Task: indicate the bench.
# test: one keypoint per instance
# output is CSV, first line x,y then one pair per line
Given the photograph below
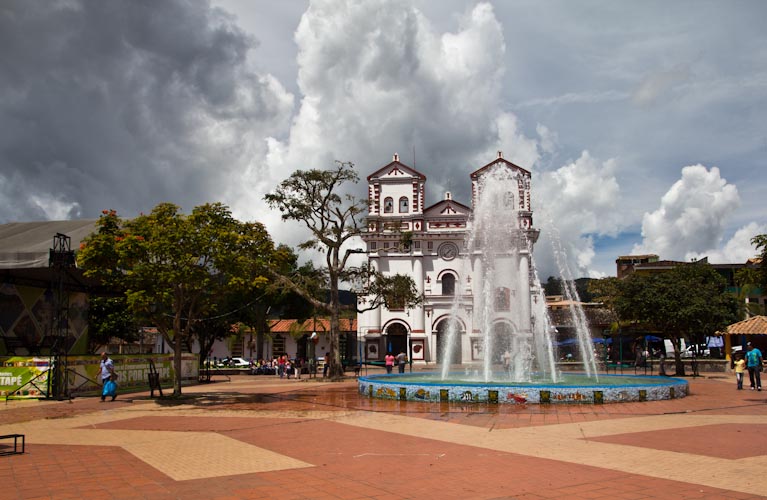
x,y
15,444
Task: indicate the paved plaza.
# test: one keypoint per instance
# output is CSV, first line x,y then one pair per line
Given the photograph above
x,y
266,438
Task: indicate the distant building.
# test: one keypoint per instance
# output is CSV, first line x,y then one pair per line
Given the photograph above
x,y
627,263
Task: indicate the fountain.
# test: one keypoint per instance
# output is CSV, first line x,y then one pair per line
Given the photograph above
x,y
503,299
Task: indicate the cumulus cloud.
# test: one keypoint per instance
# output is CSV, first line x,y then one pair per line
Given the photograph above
x,y
126,104
376,78
737,249
692,215
574,203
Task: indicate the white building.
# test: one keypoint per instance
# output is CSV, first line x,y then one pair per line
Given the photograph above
x,y
429,244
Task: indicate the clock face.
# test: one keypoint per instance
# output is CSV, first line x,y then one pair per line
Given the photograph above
x,y
448,251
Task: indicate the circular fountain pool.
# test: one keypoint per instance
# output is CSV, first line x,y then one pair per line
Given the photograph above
x,y
572,388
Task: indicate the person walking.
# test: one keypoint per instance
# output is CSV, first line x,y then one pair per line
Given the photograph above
x,y
401,359
107,376
754,364
740,369
389,361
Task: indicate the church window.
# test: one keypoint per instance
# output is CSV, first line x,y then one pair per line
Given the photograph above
x,y
508,200
448,284
502,299
388,205
403,205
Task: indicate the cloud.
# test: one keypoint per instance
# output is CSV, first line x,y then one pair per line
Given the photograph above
x,y
656,84
376,79
737,249
692,215
573,203
126,104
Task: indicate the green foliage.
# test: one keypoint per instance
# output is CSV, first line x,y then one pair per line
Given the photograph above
x,y
110,317
175,268
760,242
689,301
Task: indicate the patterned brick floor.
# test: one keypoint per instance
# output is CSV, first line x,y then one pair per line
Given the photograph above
x,y
256,437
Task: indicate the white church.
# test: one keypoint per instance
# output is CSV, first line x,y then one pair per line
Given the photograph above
x,y
430,244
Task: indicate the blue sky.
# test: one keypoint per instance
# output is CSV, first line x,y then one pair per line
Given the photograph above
x,y
642,122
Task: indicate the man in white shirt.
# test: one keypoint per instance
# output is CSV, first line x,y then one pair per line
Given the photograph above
x,y
106,372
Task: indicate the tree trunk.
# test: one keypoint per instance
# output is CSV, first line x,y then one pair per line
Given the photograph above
x,y
336,367
678,363
177,345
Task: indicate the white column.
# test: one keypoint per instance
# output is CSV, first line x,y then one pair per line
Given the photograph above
x,y
524,292
375,314
418,312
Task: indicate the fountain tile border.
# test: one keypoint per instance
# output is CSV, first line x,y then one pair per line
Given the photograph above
x,y
388,387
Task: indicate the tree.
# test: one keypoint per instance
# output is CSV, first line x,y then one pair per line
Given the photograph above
x,y
747,282
108,315
760,242
173,268
313,197
688,301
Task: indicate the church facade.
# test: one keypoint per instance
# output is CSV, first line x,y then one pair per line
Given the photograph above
x,y
403,236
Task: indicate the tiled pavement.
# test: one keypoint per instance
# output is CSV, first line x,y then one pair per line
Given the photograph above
x,y
256,437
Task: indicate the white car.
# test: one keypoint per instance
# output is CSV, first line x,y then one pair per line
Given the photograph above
x,y
702,351
234,363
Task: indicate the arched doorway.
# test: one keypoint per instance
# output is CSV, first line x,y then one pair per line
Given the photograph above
x,y
396,338
442,338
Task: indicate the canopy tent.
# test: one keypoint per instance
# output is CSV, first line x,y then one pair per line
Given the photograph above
x,y
568,342
25,245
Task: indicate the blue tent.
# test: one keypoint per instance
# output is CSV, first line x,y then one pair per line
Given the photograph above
x,y
652,338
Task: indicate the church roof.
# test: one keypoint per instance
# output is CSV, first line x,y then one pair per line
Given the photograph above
x,y
498,160
396,166
447,208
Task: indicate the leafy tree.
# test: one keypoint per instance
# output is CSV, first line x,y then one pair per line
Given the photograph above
x,y
314,198
688,301
174,268
553,286
747,282
108,315
760,242
606,291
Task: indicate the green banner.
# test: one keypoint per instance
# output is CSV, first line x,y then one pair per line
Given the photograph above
x,y
30,375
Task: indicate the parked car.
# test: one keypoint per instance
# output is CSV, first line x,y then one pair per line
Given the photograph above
x,y
234,362
698,350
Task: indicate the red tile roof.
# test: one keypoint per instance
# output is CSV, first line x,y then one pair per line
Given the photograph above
x,y
318,325
755,325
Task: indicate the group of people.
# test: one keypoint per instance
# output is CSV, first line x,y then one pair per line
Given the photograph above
x,y
400,360
752,361
282,366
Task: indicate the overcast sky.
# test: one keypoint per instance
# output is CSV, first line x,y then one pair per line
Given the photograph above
x,y
644,123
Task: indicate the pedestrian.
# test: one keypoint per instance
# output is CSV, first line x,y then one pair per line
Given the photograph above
x,y
107,375
740,368
754,364
401,360
326,365
389,359
506,358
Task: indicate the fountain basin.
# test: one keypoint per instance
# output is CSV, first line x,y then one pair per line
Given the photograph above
x,y
574,388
